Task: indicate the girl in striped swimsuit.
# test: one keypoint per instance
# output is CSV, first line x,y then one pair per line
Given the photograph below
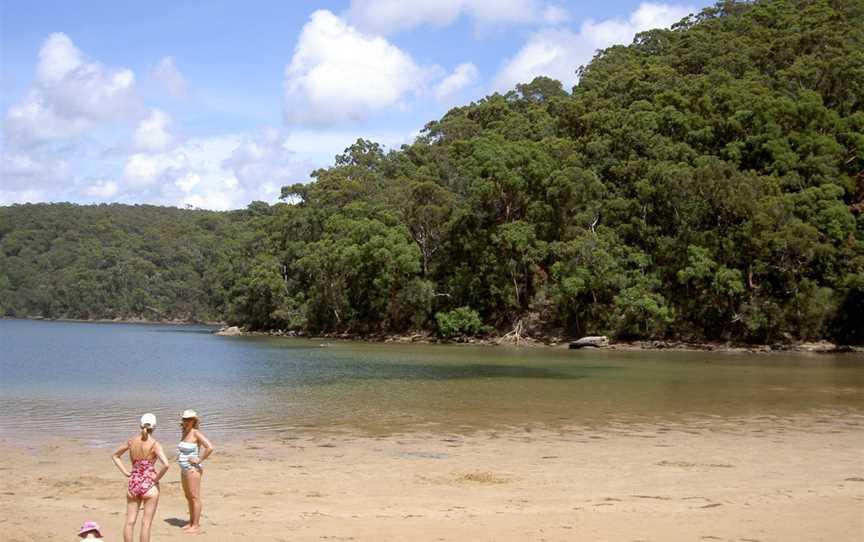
x,y
191,451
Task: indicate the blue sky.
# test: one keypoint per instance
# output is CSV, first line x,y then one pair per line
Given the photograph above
x,y
215,104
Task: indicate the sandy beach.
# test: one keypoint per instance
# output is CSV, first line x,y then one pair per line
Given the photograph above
x,y
758,479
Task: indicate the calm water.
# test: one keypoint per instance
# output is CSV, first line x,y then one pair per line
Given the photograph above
x,y
93,380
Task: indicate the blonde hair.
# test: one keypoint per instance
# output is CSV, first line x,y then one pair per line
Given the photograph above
x,y
195,423
146,431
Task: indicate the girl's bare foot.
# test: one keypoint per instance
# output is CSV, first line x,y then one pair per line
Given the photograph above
x,y
193,530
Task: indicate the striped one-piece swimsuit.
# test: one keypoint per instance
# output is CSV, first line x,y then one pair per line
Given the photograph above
x,y
185,452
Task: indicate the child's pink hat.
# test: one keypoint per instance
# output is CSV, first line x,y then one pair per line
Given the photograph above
x,y
90,526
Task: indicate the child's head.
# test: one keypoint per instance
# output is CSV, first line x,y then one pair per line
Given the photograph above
x,y
90,528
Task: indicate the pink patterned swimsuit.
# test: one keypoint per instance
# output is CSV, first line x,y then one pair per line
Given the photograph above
x,y
143,477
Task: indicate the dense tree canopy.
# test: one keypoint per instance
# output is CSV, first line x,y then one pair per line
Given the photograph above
x,y
117,261
705,182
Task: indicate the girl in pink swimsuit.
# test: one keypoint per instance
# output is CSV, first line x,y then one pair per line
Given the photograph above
x,y
142,478
143,488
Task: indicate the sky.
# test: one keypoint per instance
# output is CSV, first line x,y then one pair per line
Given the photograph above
x,y
214,104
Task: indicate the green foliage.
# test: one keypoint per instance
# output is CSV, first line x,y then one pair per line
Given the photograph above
x,y
260,298
413,305
463,321
641,312
356,271
117,261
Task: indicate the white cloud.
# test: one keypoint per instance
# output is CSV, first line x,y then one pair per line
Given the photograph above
x,y
558,52
646,17
190,173
338,73
263,162
187,182
69,95
35,120
213,199
144,169
217,172
43,156
223,172
555,15
101,189
388,16
170,78
32,175
29,195
155,170
57,58
154,133
23,171
464,75
201,172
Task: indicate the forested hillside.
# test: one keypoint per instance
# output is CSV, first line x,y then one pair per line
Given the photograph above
x,y
117,261
705,182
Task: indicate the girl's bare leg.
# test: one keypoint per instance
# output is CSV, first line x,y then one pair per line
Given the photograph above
x,y
151,501
131,517
193,479
184,480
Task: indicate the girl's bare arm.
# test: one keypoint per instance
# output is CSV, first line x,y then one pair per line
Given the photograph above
x,y
160,454
203,442
118,453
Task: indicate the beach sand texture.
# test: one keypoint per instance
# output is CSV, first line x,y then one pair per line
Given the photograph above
x,y
717,480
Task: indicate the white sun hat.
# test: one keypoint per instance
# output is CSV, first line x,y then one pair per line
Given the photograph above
x,y
188,413
148,419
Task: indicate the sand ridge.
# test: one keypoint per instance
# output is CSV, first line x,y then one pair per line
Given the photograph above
x,y
742,480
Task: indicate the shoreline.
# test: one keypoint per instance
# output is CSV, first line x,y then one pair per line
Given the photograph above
x,y
141,321
812,347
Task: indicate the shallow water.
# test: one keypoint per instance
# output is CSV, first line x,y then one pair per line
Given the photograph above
x,y
92,381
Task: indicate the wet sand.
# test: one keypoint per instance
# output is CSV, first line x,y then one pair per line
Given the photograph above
x,y
758,479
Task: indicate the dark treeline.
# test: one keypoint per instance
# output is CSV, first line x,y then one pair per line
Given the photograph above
x,y
705,182
118,261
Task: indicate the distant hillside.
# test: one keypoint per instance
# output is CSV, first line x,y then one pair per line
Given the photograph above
x,y
116,261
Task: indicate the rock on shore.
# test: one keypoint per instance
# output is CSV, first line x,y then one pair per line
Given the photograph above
x,y
599,341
